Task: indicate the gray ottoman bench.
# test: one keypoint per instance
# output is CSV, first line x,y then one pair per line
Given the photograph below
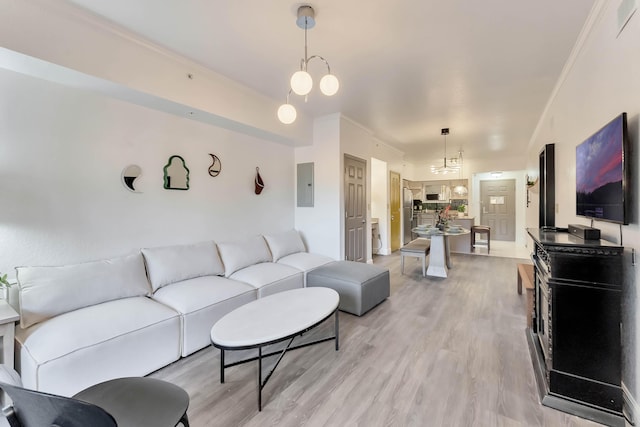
x,y
360,286
418,248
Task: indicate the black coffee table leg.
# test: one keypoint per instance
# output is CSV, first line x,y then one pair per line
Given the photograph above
x,y
337,331
260,379
221,366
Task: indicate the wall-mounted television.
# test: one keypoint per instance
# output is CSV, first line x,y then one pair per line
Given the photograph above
x,y
602,173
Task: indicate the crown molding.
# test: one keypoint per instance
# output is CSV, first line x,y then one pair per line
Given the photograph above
x,y
596,13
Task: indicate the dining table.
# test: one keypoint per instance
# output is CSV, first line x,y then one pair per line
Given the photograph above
x,y
440,256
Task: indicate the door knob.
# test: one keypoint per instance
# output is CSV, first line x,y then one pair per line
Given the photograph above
x,y
364,221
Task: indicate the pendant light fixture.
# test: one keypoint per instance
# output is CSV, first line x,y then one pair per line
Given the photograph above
x,y
301,81
445,169
460,189
287,113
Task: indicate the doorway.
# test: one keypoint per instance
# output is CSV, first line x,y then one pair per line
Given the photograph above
x,y
394,203
355,184
498,208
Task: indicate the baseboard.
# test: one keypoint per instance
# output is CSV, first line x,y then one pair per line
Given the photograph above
x,y
383,251
630,407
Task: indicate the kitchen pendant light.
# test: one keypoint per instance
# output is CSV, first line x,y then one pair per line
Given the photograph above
x,y
445,169
301,81
460,189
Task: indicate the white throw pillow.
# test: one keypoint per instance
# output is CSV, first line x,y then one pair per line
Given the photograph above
x,y
172,264
285,243
46,292
238,255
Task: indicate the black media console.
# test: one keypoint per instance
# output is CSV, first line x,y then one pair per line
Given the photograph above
x,y
575,340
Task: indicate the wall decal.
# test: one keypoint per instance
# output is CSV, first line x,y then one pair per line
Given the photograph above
x,y
259,182
216,165
129,175
176,174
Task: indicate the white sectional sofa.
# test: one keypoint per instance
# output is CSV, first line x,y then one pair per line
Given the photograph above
x,y
129,316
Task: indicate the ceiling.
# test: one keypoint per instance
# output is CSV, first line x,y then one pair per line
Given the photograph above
x,y
407,68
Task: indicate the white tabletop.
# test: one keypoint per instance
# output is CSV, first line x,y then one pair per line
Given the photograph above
x,y
7,313
274,317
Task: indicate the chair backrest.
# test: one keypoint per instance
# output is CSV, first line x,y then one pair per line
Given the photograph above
x,y
36,409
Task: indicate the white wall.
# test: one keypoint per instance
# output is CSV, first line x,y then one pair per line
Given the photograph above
x,y
62,152
380,205
600,80
57,33
320,224
422,172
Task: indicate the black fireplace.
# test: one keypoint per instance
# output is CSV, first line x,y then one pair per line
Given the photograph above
x,y
575,339
542,316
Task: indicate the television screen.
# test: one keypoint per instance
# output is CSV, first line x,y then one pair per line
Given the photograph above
x,y
601,173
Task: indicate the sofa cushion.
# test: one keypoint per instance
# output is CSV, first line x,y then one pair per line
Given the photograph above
x,y
305,261
202,301
284,243
46,292
269,277
172,264
195,294
120,338
238,255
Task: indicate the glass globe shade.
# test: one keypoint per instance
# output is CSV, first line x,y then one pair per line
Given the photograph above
x,y
301,82
460,190
329,85
287,114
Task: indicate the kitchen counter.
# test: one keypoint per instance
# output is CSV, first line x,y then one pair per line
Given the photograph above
x,y
462,244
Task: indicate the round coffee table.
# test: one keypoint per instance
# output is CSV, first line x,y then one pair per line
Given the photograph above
x,y
272,319
158,403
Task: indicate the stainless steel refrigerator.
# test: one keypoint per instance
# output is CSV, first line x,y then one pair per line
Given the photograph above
x,y
408,216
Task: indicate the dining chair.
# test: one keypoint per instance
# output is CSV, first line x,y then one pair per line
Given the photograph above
x,y
34,408
123,402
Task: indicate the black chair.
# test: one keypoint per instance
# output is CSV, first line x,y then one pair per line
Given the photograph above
x,y
123,402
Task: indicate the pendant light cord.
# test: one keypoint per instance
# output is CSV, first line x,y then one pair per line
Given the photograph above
x,y
306,61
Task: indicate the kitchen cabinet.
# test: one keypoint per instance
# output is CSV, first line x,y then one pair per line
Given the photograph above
x,y
426,218
442,188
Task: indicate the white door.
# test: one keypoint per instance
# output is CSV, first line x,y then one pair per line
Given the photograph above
x,y
355,179
498,208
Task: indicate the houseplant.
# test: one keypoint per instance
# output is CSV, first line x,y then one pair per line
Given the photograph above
x,y
4,285
461,210
443,218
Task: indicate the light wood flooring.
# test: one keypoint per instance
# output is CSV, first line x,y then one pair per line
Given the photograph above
x,y
437,352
